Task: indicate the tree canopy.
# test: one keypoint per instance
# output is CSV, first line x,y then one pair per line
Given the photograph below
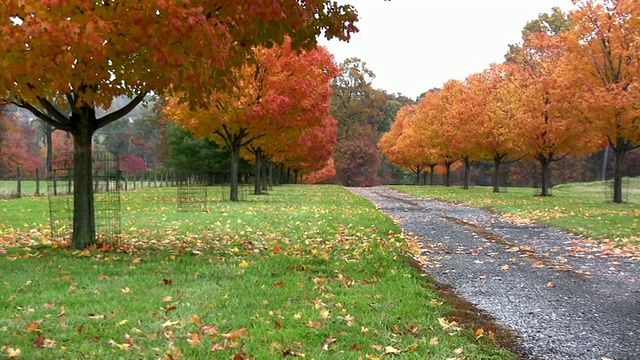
x,y
86,53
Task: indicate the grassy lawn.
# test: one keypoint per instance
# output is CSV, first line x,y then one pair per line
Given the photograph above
x,y
578,208
311,270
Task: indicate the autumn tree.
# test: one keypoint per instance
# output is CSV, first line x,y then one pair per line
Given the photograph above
x,y
498,118
91,52
547,129
603,63
18,145
282,91
362,111
552,24
311,151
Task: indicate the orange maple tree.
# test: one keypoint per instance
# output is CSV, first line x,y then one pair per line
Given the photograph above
x,y
495,93
282,93
88,52
603,65
547,128
400,145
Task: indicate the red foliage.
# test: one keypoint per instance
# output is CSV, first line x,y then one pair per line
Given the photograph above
x,y
358,161
18,147
326,173
131,164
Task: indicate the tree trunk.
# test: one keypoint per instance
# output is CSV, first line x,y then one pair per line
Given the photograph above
x,y
235,160
619,152
605,160
84,225
447,174
48,132
432,175
467,167
265,175
545,167
497,160
257,188
418,172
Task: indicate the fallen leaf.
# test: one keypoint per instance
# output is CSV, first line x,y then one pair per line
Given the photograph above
x,y
550,284
327,342
288,352
208,329
411,347
12,353
193,339
448,326
34,326
479,333
169,308
39,341
325,314
126,290
434,340
458,351
391,350
170,323
243,264
216,347
235,334
279,284
315,324
505,267
63,311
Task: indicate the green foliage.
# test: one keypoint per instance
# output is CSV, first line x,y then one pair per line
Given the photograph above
x,y
311,270
198,156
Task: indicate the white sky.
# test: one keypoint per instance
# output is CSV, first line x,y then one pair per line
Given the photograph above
x,y
415,45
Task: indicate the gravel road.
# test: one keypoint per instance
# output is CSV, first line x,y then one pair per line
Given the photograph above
x,y
566,299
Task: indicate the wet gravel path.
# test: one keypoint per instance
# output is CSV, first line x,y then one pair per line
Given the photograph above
x,y
565,299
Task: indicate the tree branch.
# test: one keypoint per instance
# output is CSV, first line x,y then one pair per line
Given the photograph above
x,y
52,111
44,117
109,118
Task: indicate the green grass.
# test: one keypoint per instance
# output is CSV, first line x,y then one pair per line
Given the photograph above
x,y
9,188
311,270
578,208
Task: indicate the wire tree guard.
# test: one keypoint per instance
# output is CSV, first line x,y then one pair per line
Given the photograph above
x,y
192,192
107,182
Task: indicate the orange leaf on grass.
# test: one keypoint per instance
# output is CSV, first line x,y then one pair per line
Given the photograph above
x,y
235,334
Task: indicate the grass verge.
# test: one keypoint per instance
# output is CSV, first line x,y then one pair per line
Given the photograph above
x,y
306,270
577,208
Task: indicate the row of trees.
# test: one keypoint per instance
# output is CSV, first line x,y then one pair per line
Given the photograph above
x,y
81,55
569,89
277,110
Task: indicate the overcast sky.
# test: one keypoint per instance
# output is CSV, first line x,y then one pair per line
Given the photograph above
x,y
415,45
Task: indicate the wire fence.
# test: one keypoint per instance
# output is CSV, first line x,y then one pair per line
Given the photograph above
x,y
25,184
